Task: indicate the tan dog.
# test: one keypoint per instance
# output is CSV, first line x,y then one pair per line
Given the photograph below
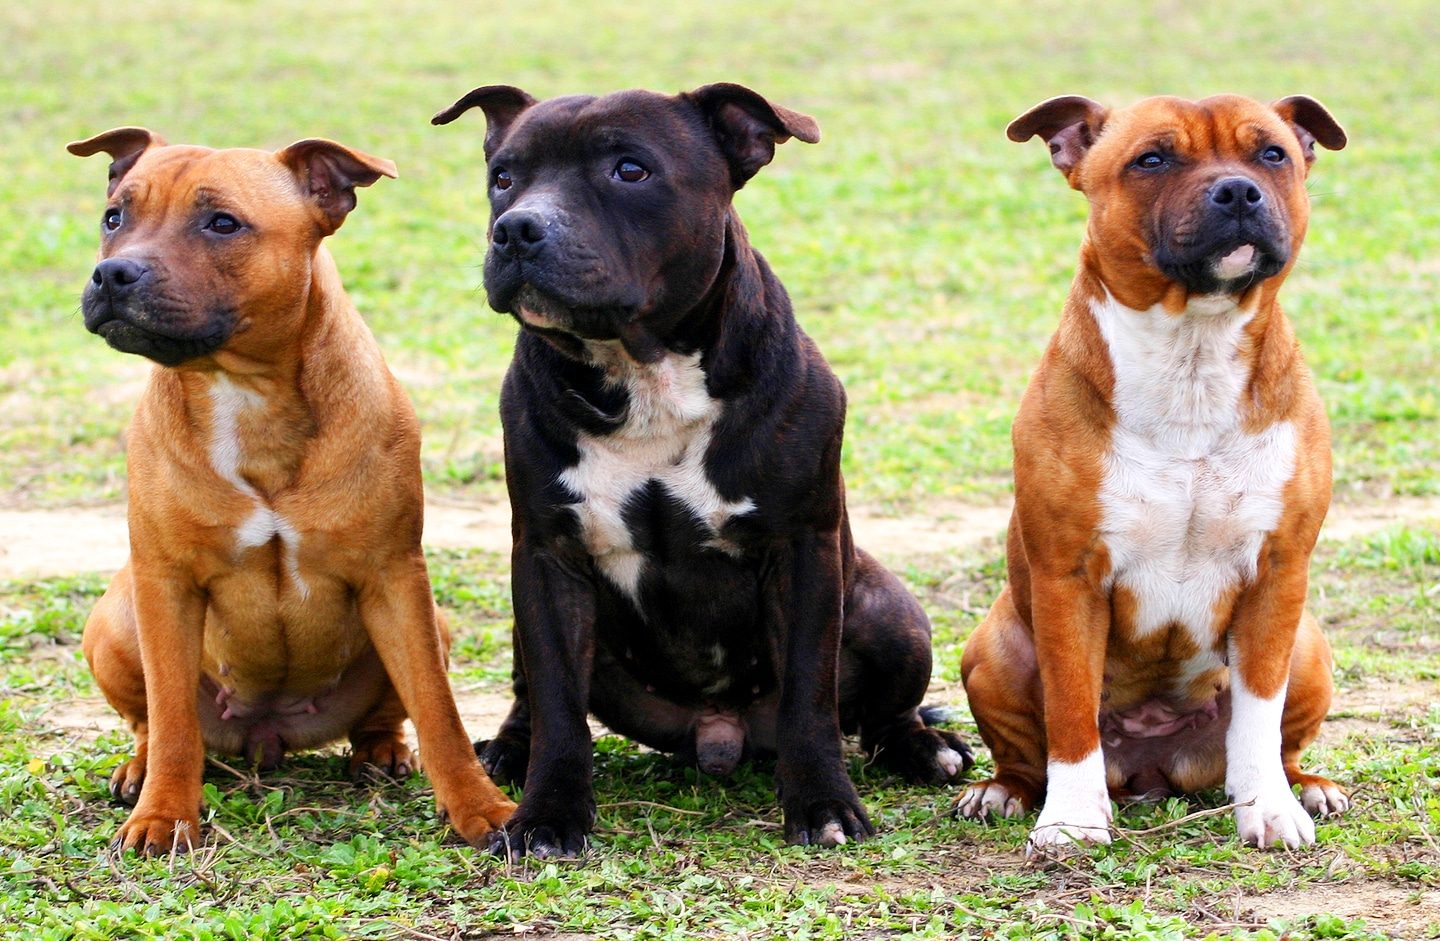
x,y
1172,469
276,588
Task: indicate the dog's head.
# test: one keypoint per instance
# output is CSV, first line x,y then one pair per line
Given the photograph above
x,y
608,214
206,249
1205,195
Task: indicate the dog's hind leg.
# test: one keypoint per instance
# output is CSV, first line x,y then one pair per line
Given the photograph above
x,y
885,670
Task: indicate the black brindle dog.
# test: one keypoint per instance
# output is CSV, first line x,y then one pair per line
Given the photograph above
x,y
683,566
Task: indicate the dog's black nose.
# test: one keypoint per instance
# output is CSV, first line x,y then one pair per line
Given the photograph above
x,y
1236,195
116,276
519,233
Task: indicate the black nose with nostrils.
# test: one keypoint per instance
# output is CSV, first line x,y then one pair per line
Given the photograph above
x,y
519,233
118,276
1236,196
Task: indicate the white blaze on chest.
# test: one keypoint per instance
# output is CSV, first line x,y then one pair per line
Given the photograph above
x,y
228,401
1188,495
669,420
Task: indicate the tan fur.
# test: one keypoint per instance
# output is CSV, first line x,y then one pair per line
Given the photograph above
x,y
332,447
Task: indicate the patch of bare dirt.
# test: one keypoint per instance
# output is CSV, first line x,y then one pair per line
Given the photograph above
x,y
44,543
1400,910
1403,697
77,720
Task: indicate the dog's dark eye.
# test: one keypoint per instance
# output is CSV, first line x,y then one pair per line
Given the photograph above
x,y
223,224
111,220
628,171
1150,160
1273,155
500,179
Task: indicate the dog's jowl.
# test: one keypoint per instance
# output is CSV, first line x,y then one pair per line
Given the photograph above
x,y
1172,469
683,567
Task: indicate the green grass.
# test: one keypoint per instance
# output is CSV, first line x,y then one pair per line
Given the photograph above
x,y
301,853
928,256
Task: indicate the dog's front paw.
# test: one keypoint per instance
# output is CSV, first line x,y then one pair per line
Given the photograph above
x,y
555,829
822,812
1272,815
478,814
505,759
1070,818
154,833
925,756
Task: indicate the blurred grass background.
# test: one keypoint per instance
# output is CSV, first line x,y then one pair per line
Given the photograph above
x,y
926,253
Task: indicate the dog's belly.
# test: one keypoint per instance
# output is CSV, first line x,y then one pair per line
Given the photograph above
x,y
263,724
279,664
694,636
1160,747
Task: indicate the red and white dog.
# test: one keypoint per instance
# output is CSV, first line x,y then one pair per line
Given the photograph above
x,y
1172,469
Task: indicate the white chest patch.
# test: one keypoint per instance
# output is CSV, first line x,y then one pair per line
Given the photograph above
x,y
667,429
1188,495
228,401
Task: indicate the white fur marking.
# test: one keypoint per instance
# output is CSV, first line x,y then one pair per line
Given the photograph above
x,y
668,423
264,524
1077,804
1188,496
1254,774
227,401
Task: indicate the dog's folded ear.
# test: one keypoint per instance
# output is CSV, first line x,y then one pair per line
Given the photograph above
x,y
1311,123
502,104
748,127
1069,124
329,172
123,144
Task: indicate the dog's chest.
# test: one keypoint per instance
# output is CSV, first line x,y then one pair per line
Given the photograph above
x,y
661,445
1188,494
263,524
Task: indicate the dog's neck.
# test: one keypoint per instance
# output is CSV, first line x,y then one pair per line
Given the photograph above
x,y
1265,346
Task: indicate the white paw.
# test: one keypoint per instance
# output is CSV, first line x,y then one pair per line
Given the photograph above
x,y
988,799
1077,805
1070,821
1273,816
1324,801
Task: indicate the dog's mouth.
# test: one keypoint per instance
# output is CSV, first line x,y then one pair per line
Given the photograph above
x,y
163,345
543,312
1227,268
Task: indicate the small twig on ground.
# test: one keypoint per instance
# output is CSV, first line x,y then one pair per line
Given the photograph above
x,y
416,933
653,804
1424,830
247,779
112,858
1172,824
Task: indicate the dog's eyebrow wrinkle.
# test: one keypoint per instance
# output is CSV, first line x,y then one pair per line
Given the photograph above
x,y
208,198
